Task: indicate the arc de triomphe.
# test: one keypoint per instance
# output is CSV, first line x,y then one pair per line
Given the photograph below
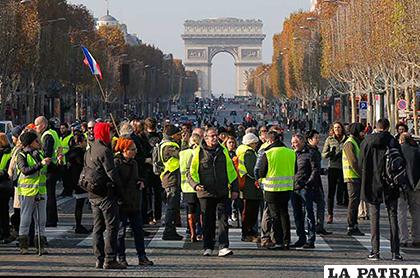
x,y
204,39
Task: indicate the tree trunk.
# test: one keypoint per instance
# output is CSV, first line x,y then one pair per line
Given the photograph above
x,y
370,115
415,118
389,107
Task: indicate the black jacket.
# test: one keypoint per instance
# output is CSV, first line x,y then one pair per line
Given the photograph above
x,y
372,159
316,171
411,153
213,174
307,169
130,191
100,169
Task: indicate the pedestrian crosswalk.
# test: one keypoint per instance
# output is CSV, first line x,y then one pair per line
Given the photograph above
x,y
335,243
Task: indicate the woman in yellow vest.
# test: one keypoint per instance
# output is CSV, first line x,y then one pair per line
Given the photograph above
x,y
188,193
6,189
32,190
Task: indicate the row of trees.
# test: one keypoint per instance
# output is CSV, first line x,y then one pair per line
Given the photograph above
x,y
360,49
42,70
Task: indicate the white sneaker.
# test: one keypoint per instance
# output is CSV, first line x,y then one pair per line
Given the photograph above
x,y
225,252
207,252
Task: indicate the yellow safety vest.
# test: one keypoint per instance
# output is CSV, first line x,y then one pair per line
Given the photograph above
x,y
34,184
172,164
195,163
348,171
281,170
184,158
264,146
4,159
65,144
240,152
57,143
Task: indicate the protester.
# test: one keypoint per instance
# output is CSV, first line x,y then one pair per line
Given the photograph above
x,y
6,189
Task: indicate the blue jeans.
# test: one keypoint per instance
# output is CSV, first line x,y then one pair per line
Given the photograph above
x,y
320,208
304,199
137,228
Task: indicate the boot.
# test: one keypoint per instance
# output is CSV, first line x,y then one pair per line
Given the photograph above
x,y
24,244
41,249
191,225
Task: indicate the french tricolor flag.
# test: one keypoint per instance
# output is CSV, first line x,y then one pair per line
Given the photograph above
x,y
91,62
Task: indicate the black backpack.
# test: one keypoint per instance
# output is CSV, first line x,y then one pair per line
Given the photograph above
x,y
158,166
395,170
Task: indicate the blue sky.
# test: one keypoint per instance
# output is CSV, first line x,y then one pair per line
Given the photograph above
x,y
160,22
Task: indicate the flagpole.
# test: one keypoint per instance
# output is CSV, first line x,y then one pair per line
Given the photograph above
x,y
106,101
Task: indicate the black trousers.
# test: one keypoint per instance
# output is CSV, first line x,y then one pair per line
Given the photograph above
x,y
249,217
280,217
336,185
66,177
392,209
210,207
105,217
5,195
52,215
173,195
354,201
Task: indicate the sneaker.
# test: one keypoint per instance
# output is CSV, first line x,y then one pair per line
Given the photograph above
x,y
81,230
298,244
174,236
373,256
207,252
99,264
267,243
114,265
124,263
397,257
225,252
308,246
144,261
354,232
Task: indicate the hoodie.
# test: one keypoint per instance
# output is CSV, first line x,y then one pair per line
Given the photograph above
x,y
372,164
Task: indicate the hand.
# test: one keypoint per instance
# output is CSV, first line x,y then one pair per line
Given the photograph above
x,y
46,161
199,188
234,195
140,184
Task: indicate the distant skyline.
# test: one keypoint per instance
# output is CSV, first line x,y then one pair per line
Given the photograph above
x,y
161,23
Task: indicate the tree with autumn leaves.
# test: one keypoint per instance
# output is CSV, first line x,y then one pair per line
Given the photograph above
x,y
41,59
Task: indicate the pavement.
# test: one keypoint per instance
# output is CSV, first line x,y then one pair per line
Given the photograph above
x,y
71,254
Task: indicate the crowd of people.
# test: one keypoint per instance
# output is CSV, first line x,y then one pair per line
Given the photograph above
x,y
222,174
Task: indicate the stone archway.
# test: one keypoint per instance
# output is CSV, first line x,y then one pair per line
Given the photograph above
x,y
204,39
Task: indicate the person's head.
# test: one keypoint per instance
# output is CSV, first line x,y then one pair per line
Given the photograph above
x,y
173,132
357,130
338,129
298,142
83,127
210,137
186,128
41,124
16,132
382,125
79,139
251,130
64,128
91,126
126,129
138,126
401,128
405,137
4,142
102,132
30,139
199,131
230,143
194,141
263,133
251,140
312,136
150,124
126,147
273,137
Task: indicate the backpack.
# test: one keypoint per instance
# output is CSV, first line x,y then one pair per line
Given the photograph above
x,y
157,162
395,172
241,180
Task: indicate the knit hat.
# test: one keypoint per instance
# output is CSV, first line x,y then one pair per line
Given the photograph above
x,y
249,139
16,131
171,130
27,138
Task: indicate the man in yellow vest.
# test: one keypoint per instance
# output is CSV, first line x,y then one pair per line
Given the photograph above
x,y
352,174
170,177
277,170
32,190
50,146
66,141
211,172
